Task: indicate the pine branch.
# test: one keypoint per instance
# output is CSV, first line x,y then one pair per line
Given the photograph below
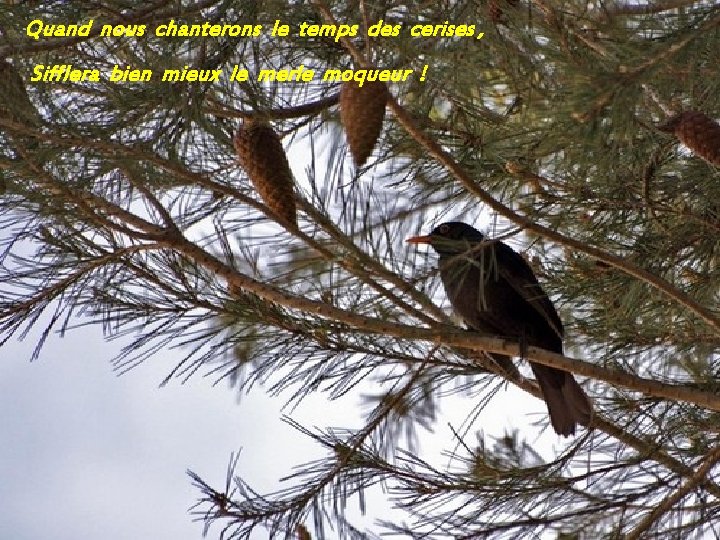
x,y
372,325
285,113
625,8
143,222
674,48
709,461
146,15
445,159
15,314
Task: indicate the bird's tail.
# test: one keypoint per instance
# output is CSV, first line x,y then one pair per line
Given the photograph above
x,y
566,401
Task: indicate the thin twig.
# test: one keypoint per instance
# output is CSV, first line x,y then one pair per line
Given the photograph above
x,y
700,33
668,109
48,293
648,175
151,198
145,15
627,8
366,26
671,500
284,113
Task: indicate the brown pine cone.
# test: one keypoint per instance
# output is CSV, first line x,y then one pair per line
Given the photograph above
x,y
261,154
302,532
362,111
698,132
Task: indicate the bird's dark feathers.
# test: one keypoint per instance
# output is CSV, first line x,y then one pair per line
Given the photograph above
x,y
495,291
518,274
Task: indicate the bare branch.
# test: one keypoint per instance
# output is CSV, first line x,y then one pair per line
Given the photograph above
x,y
648,8
671,500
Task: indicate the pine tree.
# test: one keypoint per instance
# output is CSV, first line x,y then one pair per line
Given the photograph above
x,y
553,125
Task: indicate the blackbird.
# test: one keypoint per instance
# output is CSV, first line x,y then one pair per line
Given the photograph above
x,y
496,292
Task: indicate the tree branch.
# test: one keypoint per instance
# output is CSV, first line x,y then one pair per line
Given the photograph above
x,y
442,335
145,15
285,113
446,160
668,502
648,8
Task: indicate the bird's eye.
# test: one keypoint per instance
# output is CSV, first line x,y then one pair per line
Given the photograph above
x,y
444,229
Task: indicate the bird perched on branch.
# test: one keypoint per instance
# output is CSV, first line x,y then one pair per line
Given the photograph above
x,y
496,292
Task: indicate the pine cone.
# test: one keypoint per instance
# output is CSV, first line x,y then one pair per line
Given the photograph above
x,y
362,110
261,154
302,532
698,132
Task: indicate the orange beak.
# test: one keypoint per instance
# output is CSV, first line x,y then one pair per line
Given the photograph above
x,y
419,239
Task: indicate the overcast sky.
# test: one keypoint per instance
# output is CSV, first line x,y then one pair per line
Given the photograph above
x,y
88,455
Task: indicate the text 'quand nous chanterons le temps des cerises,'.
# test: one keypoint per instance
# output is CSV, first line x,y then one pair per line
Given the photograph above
x,y
37,30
